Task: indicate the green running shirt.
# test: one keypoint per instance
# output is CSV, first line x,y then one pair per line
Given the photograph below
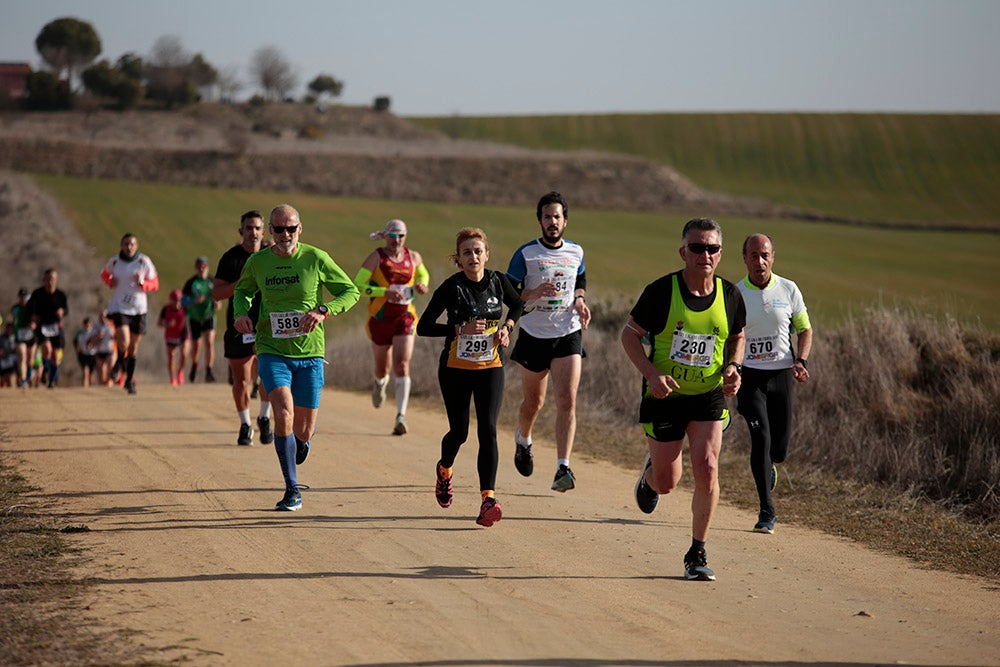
x,y
289,287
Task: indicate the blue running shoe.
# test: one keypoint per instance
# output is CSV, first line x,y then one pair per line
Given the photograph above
x,y
564,479
301,451
765,523
291,502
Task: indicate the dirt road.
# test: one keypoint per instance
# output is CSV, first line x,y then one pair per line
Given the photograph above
x,y
187,551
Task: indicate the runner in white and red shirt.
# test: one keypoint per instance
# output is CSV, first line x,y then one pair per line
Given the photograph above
x,y
130,275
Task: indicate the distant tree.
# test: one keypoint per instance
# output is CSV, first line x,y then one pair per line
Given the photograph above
x,y
131,65
324,84
173,76
67,44
382,103
203,74
273,73
168,51
46,92
229,84
117,83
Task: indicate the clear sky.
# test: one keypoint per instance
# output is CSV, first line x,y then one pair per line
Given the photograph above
x,y
515,57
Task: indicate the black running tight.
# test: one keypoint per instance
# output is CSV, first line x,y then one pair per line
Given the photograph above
x,y
765,401
485,389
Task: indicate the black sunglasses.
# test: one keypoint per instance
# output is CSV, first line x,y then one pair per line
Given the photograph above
x,y
279,230
699,248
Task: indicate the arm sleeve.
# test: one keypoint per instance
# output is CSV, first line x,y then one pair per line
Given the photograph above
x,y
421,275
361,281
581,279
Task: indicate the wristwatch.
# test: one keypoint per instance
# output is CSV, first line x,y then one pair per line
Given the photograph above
x,y
323,310
800,360
739,367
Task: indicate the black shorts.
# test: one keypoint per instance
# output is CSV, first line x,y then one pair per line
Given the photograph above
x,y
666,419
234,347
58,342
135,323
87,361
197,328
536,354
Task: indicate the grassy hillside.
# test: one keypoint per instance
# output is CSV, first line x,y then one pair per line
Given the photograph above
x,y
916,168
842,270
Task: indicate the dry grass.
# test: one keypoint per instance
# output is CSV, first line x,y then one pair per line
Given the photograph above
x,y
42,613
896,444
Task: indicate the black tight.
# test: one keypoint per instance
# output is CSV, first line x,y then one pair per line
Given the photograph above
x,y
765,401
485,388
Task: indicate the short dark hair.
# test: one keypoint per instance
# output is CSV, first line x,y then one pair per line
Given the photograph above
x,y
702,225
552,198
250,214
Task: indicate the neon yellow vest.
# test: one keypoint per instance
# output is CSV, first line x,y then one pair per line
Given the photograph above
x,y
695,360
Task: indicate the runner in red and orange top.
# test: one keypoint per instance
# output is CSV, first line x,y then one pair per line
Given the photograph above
x,y
173,319
389,278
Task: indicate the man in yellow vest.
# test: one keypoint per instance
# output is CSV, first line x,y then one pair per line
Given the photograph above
x,y
694,323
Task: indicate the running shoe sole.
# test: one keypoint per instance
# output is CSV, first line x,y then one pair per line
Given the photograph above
x,y
489,515
287,504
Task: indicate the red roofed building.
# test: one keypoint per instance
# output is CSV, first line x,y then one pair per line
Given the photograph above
x,y
13,79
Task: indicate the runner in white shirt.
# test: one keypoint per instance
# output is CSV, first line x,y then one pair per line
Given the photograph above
x,y
775,310
550,275
130,275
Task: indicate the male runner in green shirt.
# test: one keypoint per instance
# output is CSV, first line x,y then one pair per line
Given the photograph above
x,y
290,277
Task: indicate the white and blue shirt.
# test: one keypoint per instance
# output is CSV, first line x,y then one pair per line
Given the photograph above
x,y
535,263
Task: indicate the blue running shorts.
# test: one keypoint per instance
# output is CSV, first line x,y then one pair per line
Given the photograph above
x,y
305,377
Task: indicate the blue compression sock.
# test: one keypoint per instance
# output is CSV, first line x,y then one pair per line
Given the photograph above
x,y
284,445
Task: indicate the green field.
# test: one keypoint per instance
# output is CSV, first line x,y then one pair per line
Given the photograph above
x,y
842,270
893,167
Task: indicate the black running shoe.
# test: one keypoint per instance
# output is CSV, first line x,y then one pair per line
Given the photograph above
x,y
523,460
209,375
193,373
301,451
696,566
443,490
246,435
645,497
266,434
130,386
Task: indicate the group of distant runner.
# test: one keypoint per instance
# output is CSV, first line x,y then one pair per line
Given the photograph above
x,y
695,338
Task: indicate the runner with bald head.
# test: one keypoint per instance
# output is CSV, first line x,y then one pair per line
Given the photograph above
x,y
775,309
290,277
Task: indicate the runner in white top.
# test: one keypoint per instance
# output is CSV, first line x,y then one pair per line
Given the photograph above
x,y
550,275
130,275
775,309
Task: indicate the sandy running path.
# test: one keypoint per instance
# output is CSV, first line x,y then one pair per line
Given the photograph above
x,y
188,552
